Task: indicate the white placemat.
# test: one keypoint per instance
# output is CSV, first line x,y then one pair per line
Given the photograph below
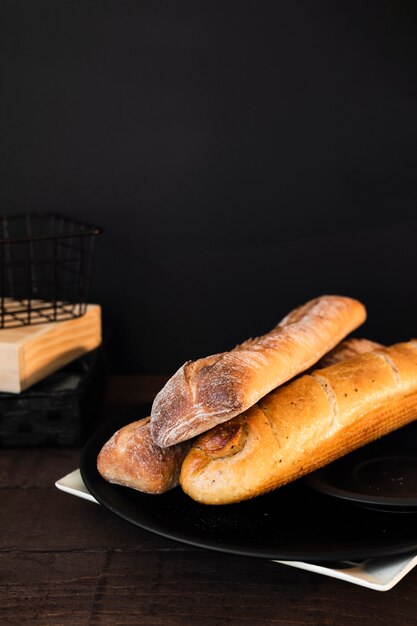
x,y
380,574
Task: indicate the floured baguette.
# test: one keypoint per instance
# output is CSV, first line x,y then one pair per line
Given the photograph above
x,y
131,458
212,390
304,425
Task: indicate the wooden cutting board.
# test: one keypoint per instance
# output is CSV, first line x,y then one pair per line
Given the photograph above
x,y
30,353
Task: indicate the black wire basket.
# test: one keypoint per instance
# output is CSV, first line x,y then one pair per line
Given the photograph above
x,y
45,268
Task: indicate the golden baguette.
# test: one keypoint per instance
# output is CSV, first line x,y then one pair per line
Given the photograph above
x,y
207,392
132,459
347,350
303,426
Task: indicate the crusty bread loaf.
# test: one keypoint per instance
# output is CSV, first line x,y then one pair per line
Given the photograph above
x,y
212,390
131,458
347,350
304,425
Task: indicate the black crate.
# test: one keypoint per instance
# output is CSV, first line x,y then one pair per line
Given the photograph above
x,y
60,410
45,268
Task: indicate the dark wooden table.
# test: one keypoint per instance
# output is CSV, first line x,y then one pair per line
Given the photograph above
x,y
67,561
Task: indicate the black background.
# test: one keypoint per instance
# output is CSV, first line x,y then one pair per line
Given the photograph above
x,y
242,157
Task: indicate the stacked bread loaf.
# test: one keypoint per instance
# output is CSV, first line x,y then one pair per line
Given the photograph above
x,y
238,424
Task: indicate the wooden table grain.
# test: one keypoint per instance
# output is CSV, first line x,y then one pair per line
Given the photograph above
x,y
66,561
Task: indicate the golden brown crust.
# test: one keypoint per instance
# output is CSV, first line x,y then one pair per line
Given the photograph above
x,y
347,350
131,458
305,425
207,392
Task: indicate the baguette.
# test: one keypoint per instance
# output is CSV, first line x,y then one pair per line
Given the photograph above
x,y
130,458
304,425
347,350
212,390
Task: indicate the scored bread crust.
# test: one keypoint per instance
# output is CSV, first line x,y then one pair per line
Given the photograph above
x,y
304,425
212,390
347,350
132,459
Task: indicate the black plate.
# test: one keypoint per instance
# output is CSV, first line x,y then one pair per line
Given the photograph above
x,y
382,475
292,523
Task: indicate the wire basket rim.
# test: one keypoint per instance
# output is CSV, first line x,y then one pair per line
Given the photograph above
x,y
85,228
